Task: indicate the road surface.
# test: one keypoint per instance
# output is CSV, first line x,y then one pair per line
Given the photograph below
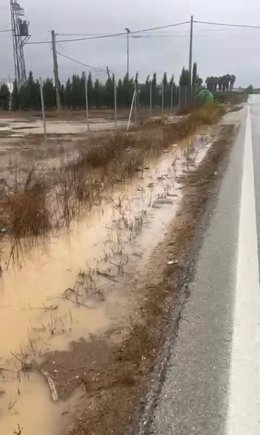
x,y
212,379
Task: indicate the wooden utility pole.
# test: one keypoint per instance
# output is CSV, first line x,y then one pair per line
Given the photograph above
x,y
56,70
191,52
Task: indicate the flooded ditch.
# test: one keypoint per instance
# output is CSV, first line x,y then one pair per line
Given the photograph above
x,y
81,283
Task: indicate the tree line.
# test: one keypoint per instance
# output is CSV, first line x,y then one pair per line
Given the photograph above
x,y
251,90
27,96
223,84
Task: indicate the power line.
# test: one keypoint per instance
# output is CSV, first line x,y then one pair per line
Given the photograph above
x,y
175,35
5,31
83,34
185,32
98,35
178,33
97,70
113,35
157,36
159,33
61,47
135,32
246,26
109,35
78,34
78,39
161,27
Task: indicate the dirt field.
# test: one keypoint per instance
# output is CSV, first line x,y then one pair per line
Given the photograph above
x,y
93,299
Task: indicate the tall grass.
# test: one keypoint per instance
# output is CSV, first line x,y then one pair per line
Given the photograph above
x,y
231,97
28,208
24,208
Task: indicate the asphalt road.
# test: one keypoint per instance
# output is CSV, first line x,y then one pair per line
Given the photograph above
x,y
211,384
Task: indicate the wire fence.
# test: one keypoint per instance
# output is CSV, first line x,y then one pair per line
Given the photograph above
x,y
159,103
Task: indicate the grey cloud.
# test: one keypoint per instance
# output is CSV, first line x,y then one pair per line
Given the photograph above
x,y
217,52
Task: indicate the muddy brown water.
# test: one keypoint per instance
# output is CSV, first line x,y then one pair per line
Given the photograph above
x,y
92,264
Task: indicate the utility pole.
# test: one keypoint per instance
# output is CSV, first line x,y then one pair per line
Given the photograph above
x,y
151,98
86,99
162,98
127,48
171,96
136,96
43,111
55,70
191,52
115,103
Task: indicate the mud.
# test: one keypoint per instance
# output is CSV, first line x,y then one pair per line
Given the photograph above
x,y
115,376
164,295
19,129
106,281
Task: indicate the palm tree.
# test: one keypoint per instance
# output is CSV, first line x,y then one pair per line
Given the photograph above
x,y
219,84
232,81
215,83
228,82
225,82
222,84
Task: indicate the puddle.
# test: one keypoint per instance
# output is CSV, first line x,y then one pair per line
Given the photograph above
x,y
94,265
31,409
27,127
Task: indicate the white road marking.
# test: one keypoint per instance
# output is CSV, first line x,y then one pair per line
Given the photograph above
x,y
244,387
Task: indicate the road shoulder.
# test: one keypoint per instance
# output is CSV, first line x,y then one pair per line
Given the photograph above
x,y
191,392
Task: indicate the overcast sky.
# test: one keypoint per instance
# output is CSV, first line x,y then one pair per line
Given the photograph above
x,y
217,50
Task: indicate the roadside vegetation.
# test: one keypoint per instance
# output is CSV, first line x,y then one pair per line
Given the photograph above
x,y
232,98
113,369
33,206
126,373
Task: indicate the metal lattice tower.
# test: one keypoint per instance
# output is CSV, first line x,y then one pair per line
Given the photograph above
x,y
20,32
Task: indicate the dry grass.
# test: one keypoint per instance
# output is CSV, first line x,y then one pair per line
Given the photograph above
x,y
148,141
203,111
231,97
208,113
24,208
30,208
123,375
